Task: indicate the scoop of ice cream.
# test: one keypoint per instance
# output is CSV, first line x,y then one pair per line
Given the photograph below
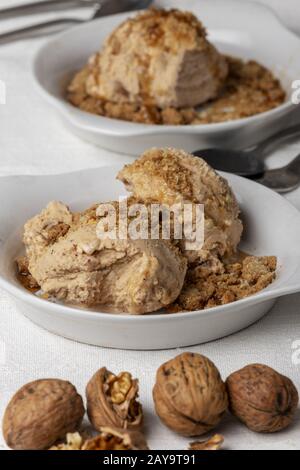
x,y
44,229
135,276
160,58
170,176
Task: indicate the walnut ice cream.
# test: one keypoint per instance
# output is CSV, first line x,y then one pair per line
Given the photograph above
x,y
159,67
70,263
161,58
170,176
217,274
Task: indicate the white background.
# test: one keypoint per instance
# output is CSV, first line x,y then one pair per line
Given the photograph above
x,y
32,141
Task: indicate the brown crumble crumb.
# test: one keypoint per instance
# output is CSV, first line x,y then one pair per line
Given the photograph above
x,y
239,280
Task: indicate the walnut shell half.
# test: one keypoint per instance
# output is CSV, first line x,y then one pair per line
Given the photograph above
x,y
40,413
112,400
189,394
262,398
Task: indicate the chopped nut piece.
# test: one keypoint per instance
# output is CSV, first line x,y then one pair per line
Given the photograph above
x,y
74,441
56,231
213,443
22,265
24,276
108,439
116,439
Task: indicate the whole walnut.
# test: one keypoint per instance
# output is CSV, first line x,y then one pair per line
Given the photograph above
x,y
189,394
262,398
40,413
112,400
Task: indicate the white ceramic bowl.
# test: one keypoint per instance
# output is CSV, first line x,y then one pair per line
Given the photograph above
x,y
272,227
239,28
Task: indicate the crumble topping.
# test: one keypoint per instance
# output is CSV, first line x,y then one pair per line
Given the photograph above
x,y
234,281
249,89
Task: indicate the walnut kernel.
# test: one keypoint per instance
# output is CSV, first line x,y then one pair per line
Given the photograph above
x,y
213,443
74,441
119,387
116,439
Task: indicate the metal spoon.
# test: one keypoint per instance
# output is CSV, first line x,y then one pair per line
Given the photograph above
x,y
283,179
45,6
108,7
247,163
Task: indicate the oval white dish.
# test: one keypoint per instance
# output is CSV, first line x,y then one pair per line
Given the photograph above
x,y
272,227
252,32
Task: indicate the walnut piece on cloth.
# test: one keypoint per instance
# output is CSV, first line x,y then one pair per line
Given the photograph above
x,y
109,438
212,443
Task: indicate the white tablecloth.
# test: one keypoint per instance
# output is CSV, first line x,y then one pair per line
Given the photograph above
x,y
32,141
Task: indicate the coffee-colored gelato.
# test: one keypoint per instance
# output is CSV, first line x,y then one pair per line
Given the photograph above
x,y
218,273
72,264
170,176
159,67
160,58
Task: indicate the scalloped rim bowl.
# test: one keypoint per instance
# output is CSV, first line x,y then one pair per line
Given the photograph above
x,y
252,32
272,227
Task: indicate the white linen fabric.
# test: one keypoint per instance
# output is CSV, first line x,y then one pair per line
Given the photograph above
x,y
33,141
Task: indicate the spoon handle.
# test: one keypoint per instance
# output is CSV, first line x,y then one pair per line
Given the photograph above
x,y
31,31
283,180
266,145
294,165
44,7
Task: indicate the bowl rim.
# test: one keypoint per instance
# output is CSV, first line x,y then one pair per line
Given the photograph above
x,y
268,293
117,127
292,284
